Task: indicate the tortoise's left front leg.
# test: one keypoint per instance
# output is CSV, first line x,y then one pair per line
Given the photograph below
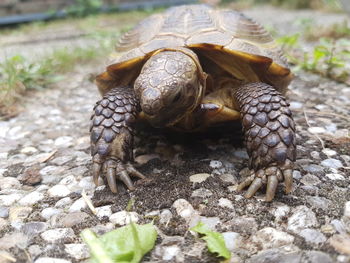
x,y
269,132
112,134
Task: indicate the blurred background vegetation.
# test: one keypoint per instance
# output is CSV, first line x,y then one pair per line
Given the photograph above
x,y
42,53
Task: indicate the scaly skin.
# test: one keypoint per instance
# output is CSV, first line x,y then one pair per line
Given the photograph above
x,y
112,137
269,132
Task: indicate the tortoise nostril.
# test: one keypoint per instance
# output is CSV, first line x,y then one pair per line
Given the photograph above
x,y
150,101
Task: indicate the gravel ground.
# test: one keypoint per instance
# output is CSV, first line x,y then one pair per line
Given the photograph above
x,y
45,165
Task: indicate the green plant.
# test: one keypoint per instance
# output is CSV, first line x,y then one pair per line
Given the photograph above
x,y
17,75
328,57
83,8
215,241
126,244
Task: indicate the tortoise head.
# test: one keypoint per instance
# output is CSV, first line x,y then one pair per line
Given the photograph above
x,y
169,86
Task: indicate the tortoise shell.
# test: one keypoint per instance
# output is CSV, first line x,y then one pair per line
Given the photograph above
x,y
228,38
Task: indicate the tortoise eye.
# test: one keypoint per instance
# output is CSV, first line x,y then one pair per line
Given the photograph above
x,y
177,97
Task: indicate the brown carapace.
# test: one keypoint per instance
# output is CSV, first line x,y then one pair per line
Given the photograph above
x,y
189,68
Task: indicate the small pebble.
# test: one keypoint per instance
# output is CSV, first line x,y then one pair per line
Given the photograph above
x,y
29,150
58,235
31,198
78,205
302,218
51,260
165,216
316,130
73,219
312,236
59,191
269,237
77,251
103,211
63,203
32,229
9,183
50,211
215,164
122,218
232,240
8,200
329,152
4,212
310,179
332,163
201,192
347,210
19,213
225,203
64,141
185,210
199,178
335,176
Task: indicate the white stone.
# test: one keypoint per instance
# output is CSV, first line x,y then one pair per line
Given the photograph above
x,y
215,164
232,240
9,183
302,218
54,235
165,216
329,152
184,209
210,222
63,203
29,150
51,260
347,209
154,213
8,200
87,183
335,176
269,237
77,251
202,193
103,211
69,181
295,105
19,213
64,141
280,211
50,211
123,218
169,252
312,236
316,130
59,191
199,178
31,198
332,163
226,203
78,205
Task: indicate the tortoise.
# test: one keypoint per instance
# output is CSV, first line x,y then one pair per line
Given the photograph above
x,y
190,68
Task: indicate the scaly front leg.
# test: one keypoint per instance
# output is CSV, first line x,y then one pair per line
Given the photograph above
x,y
112,135
269,133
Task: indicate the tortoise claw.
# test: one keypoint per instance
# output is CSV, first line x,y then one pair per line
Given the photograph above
x,y
96,168
272,183
270,177
130,169
288,180
123,176
254,187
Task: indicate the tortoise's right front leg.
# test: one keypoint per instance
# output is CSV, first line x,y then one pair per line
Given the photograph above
x,y
111,134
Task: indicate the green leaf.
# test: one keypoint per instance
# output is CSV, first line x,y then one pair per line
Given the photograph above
x,y
127,244
215,241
